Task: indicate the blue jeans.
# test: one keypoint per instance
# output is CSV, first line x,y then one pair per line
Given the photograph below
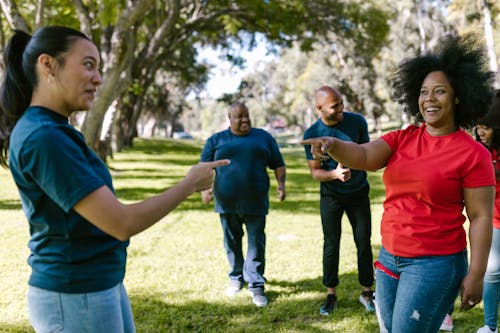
x,y
357,208
491,291
414,294
103,311
250,269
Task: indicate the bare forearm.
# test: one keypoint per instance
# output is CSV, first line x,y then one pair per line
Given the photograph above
x,y
280,174
479,207
348,153
146,213
122,221
322,175
480,241
369,156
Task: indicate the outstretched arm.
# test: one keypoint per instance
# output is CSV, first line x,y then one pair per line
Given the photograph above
x,y
122,221
369,156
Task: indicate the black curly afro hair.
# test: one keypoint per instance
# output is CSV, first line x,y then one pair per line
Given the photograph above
x,y
464,61
492,120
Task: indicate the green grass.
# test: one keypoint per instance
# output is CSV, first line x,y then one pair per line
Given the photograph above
x,y
177,270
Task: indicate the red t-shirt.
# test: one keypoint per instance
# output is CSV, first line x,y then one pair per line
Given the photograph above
x,y
496,216
424,179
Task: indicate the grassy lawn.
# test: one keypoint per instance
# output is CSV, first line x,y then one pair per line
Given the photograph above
x,y
177,270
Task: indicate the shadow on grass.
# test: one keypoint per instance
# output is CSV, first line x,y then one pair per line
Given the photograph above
x,y
163,146
283,314
4,327
10,204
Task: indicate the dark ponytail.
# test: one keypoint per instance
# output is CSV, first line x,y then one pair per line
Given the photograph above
x,y
20,77
15,90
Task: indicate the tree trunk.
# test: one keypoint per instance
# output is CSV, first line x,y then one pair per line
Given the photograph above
x,y
16,21
488,34
117,143
133,117
115,67
40,6
83,16
421,29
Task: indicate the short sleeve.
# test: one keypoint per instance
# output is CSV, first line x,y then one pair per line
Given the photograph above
x,y
365,137
276,157
307,148
391,139
479,171
208,152
57,160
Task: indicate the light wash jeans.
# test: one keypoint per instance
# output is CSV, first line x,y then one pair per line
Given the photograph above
x,y
251,268
420,291
106,311
491,291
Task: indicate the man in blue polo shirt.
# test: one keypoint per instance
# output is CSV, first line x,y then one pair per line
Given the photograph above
x,y
241,192
341,190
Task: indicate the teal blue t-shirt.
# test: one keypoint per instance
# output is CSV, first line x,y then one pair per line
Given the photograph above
x,y
242,187
53,169
352,128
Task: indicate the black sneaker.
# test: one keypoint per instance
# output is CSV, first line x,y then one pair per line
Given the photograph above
x,y
366,298
329,305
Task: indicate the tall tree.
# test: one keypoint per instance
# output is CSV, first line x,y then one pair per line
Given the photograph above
x,y
137,38
488,34
479,17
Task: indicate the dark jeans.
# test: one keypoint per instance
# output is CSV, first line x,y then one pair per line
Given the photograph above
x,y
250,269
357,208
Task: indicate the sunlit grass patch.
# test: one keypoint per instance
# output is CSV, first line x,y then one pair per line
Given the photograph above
x,y
177,269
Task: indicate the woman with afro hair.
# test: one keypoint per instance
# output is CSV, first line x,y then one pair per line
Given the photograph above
x,y
432,172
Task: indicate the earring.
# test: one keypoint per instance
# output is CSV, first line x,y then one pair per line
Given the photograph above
x,y
50,79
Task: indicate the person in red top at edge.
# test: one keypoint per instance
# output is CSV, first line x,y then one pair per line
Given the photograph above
x,y
432,172
488,133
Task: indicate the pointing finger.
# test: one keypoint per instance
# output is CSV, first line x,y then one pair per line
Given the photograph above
x,y
216,164
311,141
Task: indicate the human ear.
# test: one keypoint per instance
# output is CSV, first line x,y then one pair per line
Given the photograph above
x,y
46,65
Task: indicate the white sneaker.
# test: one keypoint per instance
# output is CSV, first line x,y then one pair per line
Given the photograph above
x,y
486,329
259,299
447,324
233,288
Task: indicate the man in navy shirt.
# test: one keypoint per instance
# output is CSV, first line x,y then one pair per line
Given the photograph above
x,y
342,190
241,192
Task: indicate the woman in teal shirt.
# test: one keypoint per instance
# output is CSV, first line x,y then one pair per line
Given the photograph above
x,y
79,230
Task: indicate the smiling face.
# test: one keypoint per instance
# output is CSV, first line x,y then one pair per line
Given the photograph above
x,y
239,119
329,103
437,104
